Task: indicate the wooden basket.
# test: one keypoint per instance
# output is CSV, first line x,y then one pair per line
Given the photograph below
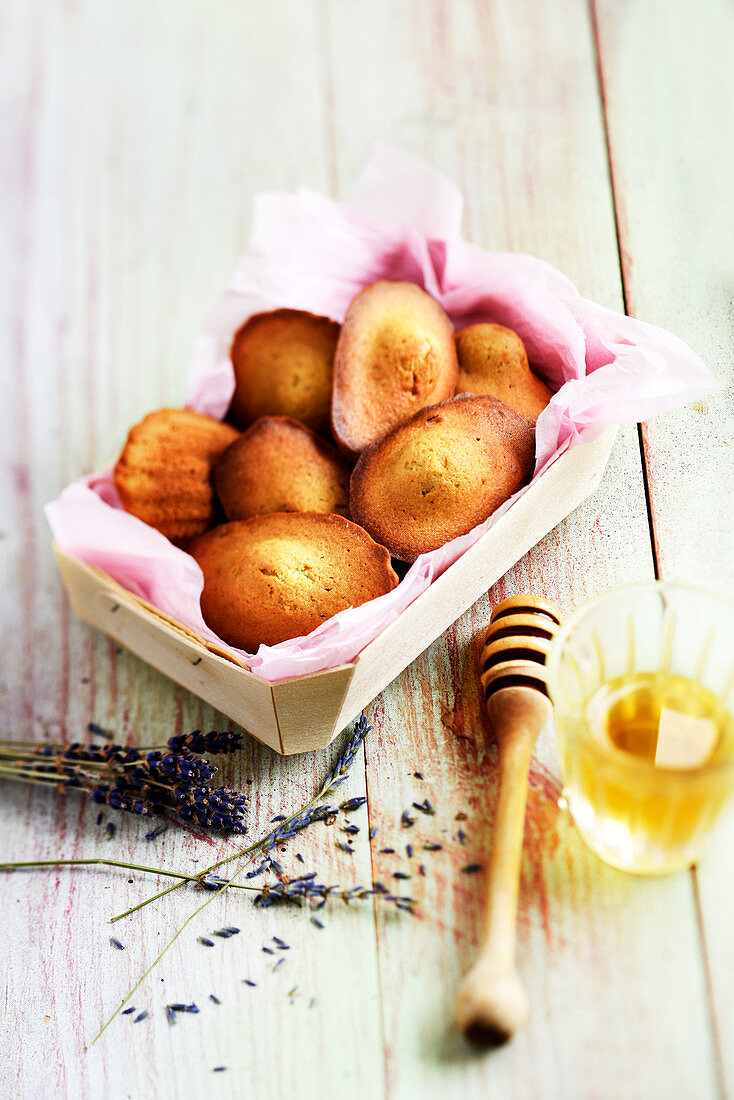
x,y
307,712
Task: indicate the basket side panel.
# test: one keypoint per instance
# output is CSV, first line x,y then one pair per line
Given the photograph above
x,y
245,698
309,709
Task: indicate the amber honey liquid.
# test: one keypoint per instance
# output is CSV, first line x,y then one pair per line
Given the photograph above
x,y
640,769
636,712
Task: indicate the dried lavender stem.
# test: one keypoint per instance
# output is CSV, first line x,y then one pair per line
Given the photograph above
x,y
141,905
158,958
52,779
12,751
330,891
105,863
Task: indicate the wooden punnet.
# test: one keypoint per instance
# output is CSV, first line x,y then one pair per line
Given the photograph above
x,y
307,712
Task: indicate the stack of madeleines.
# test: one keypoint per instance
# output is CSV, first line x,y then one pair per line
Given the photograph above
x,y
344,446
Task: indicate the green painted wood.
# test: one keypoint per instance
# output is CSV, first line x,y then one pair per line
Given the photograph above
x,y
672,166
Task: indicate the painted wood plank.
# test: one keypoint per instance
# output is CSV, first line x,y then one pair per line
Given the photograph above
x,y
505,100
136,137
117,248
672,168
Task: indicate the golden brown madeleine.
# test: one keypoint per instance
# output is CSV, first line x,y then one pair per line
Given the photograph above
x,y
395,355
164,474
283,362
493,360
441,473
280,465
281,575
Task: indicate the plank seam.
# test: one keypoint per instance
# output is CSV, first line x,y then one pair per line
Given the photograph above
x,y
620,259
377,930
713,1022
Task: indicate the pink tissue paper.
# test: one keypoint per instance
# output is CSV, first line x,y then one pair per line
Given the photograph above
x,y
313,253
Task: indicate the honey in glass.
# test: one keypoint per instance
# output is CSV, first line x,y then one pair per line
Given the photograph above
x,y
642,681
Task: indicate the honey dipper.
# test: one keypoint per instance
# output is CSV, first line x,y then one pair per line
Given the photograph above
x,y
492,1003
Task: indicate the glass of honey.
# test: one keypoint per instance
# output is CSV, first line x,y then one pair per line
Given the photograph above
x,y
642,681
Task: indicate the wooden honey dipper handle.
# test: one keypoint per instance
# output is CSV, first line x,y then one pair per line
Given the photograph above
x,y
492,1003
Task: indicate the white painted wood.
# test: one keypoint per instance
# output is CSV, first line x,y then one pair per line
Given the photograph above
x,y
134,138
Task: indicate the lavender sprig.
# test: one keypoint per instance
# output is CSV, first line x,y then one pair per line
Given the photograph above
x,y
167,782
295,823
341,768
305,887
335,778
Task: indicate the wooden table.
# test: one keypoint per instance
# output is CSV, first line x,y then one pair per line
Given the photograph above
x,y
135,135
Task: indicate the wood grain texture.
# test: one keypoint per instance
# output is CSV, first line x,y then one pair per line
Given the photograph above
x,y
675,241
136,138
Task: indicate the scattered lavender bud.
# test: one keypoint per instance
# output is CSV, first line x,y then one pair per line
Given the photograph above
x,y
300,858
280,943
317,922
214,999
472,868
387,851
247,981
406,820
110,830
351,829
425,807
373,832
409,850
345,847
116,943
258,870
212,882
127,1011
100,815
206,942
400,874
418,775
140,1016
461,836
158,831
219,1069
268,950
352,804
431,846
